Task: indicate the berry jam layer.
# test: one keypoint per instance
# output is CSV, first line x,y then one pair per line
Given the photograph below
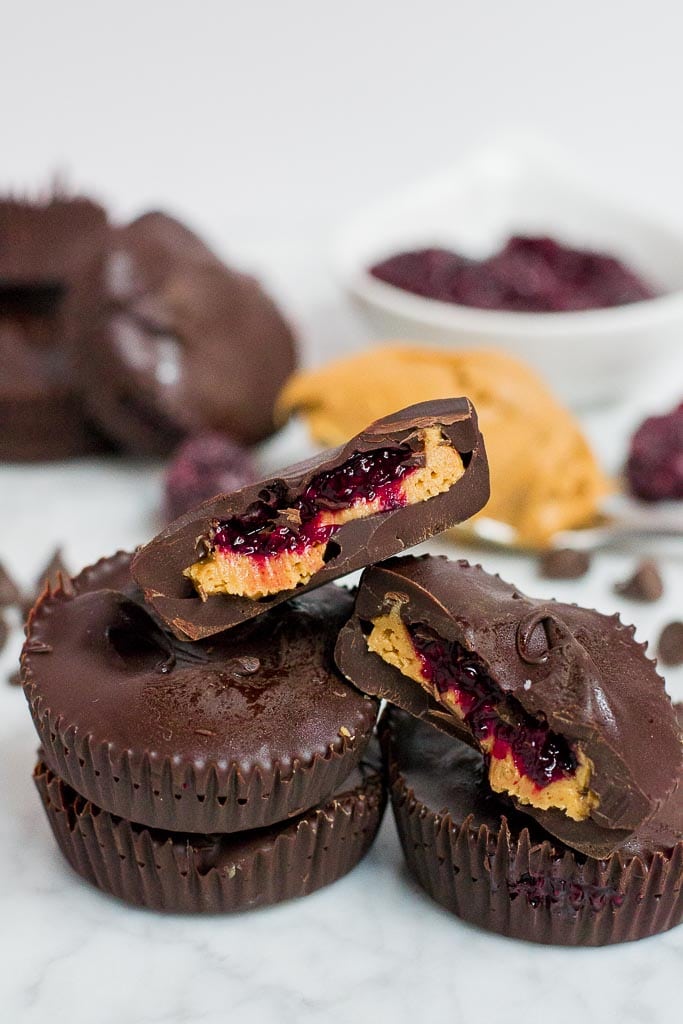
x,y
525,758
280,543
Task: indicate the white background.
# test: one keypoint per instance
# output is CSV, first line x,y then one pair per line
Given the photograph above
x,y
266,126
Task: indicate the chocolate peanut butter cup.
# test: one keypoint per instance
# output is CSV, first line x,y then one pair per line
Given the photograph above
x,y
405,478
476,855
183,343
219,736
190,873
562,701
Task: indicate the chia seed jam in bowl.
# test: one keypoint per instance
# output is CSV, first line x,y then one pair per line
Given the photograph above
x,y
510,250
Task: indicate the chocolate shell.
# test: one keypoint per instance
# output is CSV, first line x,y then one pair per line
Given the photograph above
x,y
173,342
219,736
476,855
158,567
581,671
189,873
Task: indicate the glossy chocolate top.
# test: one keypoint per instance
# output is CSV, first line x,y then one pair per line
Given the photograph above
x,y
581,671
259,698
159,566
183,342
449,777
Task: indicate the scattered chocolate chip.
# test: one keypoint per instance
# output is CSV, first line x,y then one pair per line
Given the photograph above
x,y
4,632
564,564
9,591
15,678
670,648
644,585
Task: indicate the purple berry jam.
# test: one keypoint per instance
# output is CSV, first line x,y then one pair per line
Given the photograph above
x,y
276,523
529,275
203,466
655,463
547,891
538,753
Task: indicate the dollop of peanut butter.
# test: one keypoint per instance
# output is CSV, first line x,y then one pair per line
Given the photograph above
x,y
544,474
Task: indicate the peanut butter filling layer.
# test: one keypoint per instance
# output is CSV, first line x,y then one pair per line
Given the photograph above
x,y
390,639
259,575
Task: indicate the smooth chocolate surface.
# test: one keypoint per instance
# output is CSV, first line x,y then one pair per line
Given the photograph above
x,y
181,342
496,868
580,671
219,736
189,873
158,567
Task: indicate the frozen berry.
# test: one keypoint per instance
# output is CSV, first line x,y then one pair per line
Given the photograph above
x,y
202,467
655,463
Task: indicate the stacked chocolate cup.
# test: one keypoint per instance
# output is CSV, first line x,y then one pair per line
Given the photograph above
x,y
236,768
208,777
206,708
128,338
535,762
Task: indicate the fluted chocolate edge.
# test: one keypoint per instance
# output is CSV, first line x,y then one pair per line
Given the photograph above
x,y
187,874
539,892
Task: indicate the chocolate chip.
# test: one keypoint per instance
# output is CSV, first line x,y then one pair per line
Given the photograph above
x,y
15,678
564,564
4,632
9,591
644,585
670,648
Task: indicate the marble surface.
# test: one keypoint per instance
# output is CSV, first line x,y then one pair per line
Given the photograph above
x,y
371,947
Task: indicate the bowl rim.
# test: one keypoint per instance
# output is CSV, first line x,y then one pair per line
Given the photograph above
x,y
354,274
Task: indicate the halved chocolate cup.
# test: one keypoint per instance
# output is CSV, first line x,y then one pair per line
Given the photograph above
x,y
192,548
562,690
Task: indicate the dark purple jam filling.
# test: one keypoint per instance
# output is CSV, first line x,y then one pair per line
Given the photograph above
x,y
538,753
546,891
529,275
276,523
655,462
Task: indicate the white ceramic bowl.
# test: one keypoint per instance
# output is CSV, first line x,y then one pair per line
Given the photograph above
x,y
587,357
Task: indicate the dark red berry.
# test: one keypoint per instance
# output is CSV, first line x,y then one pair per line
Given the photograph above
x,y
655,463
202,467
